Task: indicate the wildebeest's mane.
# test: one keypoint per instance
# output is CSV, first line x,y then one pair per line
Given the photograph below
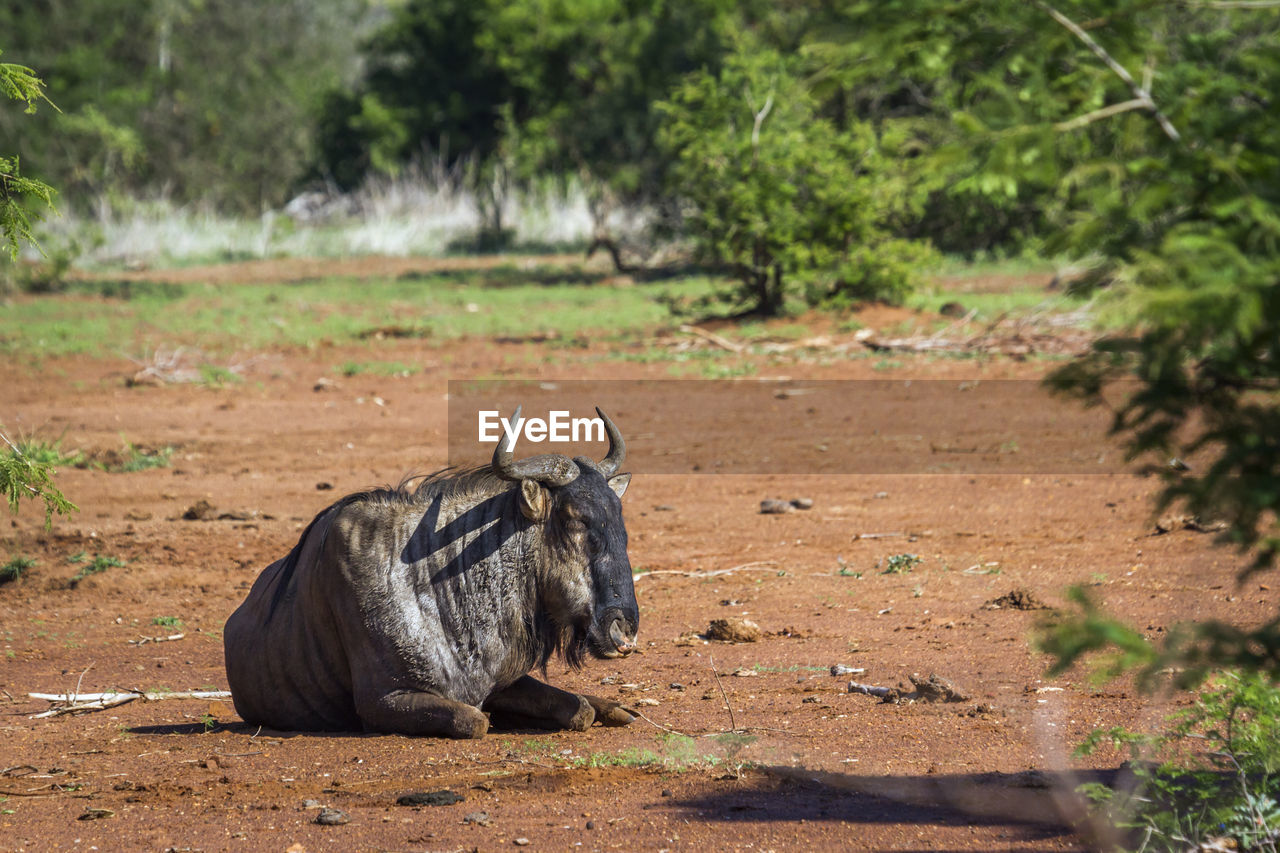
x,y
446,481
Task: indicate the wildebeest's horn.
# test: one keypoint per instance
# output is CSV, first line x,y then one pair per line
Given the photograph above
x,y
551,469
617,447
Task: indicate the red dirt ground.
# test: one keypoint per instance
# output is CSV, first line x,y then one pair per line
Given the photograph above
x,y
819,768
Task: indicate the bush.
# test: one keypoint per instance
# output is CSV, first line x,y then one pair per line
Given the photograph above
x,y
1216,775
778,194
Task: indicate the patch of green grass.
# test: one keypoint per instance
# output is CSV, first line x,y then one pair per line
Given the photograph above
x,y
15,568
443,307
377,368
43,452
216,376
167,621
99,564
901,563
141,459
674,753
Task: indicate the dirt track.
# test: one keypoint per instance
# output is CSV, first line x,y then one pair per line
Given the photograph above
x,y
818,767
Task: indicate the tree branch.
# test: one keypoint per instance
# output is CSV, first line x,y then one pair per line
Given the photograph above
x,y
1099,114
1139,92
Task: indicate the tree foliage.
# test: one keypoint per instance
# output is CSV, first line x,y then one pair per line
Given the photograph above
x,y
24,478
19,83
199,101
777,192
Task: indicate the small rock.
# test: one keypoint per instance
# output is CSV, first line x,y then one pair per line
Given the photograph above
x,y
1016,599
675,685
664,508
312,804
646,702
809,700
201,510
952,309
666,792
733,631
802,503
743,672
935,688
96,814
880,495
838,669
325,384
769,506
591,824
478,818
521,842
443,797
729,602
332,817
324,486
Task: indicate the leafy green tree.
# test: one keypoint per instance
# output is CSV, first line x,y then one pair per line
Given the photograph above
x,y
428,88
588,76
198,101
18,82
778,193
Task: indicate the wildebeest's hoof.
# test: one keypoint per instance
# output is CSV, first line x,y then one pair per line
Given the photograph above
x,y
583,718
610,713
467,722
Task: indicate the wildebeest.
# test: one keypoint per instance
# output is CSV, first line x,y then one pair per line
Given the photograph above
x,y
415,610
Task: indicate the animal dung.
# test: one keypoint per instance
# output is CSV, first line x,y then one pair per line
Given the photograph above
x,y
733,631
443,797
935,688
1016,599
332,817
773,506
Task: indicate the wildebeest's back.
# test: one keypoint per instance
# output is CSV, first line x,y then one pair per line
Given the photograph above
x,y
283,672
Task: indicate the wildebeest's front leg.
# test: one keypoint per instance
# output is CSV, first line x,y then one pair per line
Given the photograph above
x,y
609,713
414,713
530,702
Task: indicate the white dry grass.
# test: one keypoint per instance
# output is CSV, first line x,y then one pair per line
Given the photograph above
x,y
410,215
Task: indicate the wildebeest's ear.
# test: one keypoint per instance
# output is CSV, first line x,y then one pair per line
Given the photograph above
x,y
619,484
535,503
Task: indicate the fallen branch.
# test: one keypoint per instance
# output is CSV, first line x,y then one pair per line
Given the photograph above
x,y
712,337
888,694
75,703
759,566
733,722
142,641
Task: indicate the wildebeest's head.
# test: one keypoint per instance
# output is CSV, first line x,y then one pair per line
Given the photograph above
x,y
586,584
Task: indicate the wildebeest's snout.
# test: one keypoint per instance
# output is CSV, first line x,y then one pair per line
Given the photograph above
x,y
617,632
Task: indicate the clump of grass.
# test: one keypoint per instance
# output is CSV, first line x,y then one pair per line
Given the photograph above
x,y
377,368
15,568
99,564
167,621
676,753
130,458
901,563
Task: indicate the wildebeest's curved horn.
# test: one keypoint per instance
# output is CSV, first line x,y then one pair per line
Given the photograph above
x,y
551,469
617,447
